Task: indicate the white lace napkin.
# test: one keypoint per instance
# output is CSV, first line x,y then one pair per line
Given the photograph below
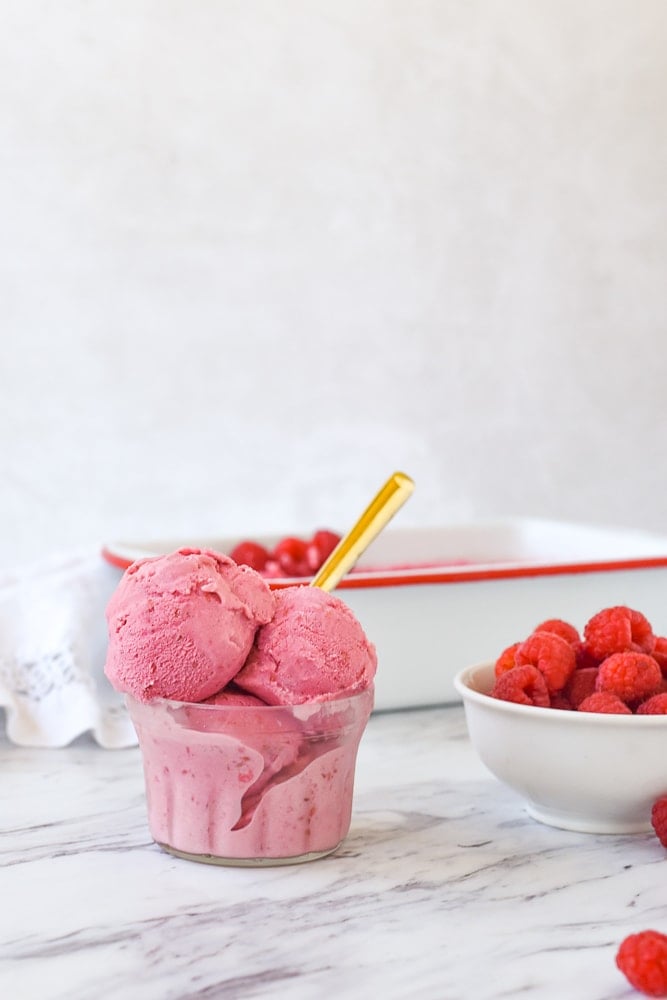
x,y
52,649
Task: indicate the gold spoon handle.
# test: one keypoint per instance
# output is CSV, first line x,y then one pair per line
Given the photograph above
x,y
379,512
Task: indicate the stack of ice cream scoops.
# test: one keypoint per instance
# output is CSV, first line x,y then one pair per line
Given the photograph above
x,y
249,704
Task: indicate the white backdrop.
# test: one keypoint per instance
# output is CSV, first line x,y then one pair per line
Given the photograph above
x,y
256,255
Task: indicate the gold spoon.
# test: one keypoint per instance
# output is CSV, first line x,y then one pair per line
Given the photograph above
x,y
379,512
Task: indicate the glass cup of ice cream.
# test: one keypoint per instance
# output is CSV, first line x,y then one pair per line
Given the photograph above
x,y
250,784
249,707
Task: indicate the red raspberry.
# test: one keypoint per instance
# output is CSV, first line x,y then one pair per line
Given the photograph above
x,y
659,819
273,570
524,685
660,654
561,628
584,656
632,677
506,660
655,705
250,554
604,703
618,630
553,656
560,701
581,684
642,958
320,548
291,554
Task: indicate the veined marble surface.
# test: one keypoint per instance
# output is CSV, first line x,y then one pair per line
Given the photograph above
x,y
444,889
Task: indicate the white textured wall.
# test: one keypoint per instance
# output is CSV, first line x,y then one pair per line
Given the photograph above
x,y
256,255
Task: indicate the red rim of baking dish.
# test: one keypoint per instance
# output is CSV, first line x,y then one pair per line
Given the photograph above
x,y
469,574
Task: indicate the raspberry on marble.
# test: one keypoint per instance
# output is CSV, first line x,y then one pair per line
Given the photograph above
x,y
642,958
659,819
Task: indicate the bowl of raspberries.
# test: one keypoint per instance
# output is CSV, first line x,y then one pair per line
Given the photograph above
x,y
575,722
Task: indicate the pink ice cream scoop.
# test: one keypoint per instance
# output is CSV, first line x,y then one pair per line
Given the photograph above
x,y
313,649
231,695
182,625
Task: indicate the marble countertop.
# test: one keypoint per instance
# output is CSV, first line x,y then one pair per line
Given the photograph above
x,y
444,888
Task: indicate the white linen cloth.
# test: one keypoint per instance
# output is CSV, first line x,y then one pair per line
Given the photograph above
x,y
53,643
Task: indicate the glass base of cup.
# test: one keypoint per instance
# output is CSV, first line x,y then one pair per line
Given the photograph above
x,y
212,859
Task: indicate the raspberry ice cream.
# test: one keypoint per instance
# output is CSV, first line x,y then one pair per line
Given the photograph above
x,y
313,649
232,695
182,625
249,706
250,787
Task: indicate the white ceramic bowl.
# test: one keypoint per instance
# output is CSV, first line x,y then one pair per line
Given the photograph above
x,y
575,770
